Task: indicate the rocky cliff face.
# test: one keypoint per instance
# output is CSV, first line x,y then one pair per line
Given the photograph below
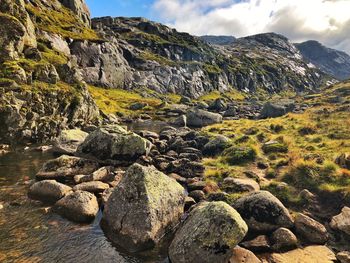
x,y
40,89
331,61
218,40
160,58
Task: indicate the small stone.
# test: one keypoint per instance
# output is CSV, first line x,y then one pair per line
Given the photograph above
x,y
242,255
48,191
197,195
189,202
92,187
283,239
258,244
344,257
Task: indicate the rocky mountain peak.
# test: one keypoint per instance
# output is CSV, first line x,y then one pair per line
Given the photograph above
x,y
331,61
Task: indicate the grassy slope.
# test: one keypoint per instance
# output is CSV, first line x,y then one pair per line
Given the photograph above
x,y
314,139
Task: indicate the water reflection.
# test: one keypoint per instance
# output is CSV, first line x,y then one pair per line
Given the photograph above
x,y
29,234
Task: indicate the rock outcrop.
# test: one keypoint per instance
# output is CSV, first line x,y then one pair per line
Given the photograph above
x,y
144,207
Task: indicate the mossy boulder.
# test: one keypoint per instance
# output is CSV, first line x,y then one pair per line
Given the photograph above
x,y
275,147
238,155
144,206
114,143
208,235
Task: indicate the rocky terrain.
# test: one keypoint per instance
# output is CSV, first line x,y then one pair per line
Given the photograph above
x,y
331,61
245,152
218,40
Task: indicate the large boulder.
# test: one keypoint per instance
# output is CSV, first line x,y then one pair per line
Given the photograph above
x,y
274,109
79,206
311,230
263,212
48,191
66,167
114,143
341,222
209,234
200,118
144,206
69,140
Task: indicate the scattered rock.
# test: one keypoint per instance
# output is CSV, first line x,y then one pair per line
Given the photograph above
x,y
92,187
342,221
114,143
69,140
344,257
200,118
310,229
343,160
197,195
48,191
234,185
210,233
263,212
138,106
144,205
319,254
277,109
79,206
216,145
242,255
283,239
66,167
258,244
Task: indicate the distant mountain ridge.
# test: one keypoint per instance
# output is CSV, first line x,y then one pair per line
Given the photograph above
x,y
218,40
331,61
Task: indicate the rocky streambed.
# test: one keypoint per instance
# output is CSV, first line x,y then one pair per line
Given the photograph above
x,y
112,195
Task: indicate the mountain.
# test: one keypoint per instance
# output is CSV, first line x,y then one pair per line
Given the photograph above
x,y
331,61
53,49
218,40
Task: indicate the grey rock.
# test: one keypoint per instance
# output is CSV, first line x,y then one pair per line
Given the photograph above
x,y
263,212
201,118
66,167
114,143
274,109
79,206
311,230
283,239
69,140
142,208
48,191
341,222
210,233
216,145
92,187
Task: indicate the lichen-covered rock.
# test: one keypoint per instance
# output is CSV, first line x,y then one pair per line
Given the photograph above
x,y
69,140
78,206
114,143
48,191
342,221
142,208
310,229
66,167
92,187
200,118
263,212
209,234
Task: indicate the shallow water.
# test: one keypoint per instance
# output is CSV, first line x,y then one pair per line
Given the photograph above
x,y
29,234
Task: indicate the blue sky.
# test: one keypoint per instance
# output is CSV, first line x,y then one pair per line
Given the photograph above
x,y
329,21
128,8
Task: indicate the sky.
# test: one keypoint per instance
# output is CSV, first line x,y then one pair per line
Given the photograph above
x,y
327,21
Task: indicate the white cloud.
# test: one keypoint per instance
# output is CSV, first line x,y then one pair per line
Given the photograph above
x,y
327,21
